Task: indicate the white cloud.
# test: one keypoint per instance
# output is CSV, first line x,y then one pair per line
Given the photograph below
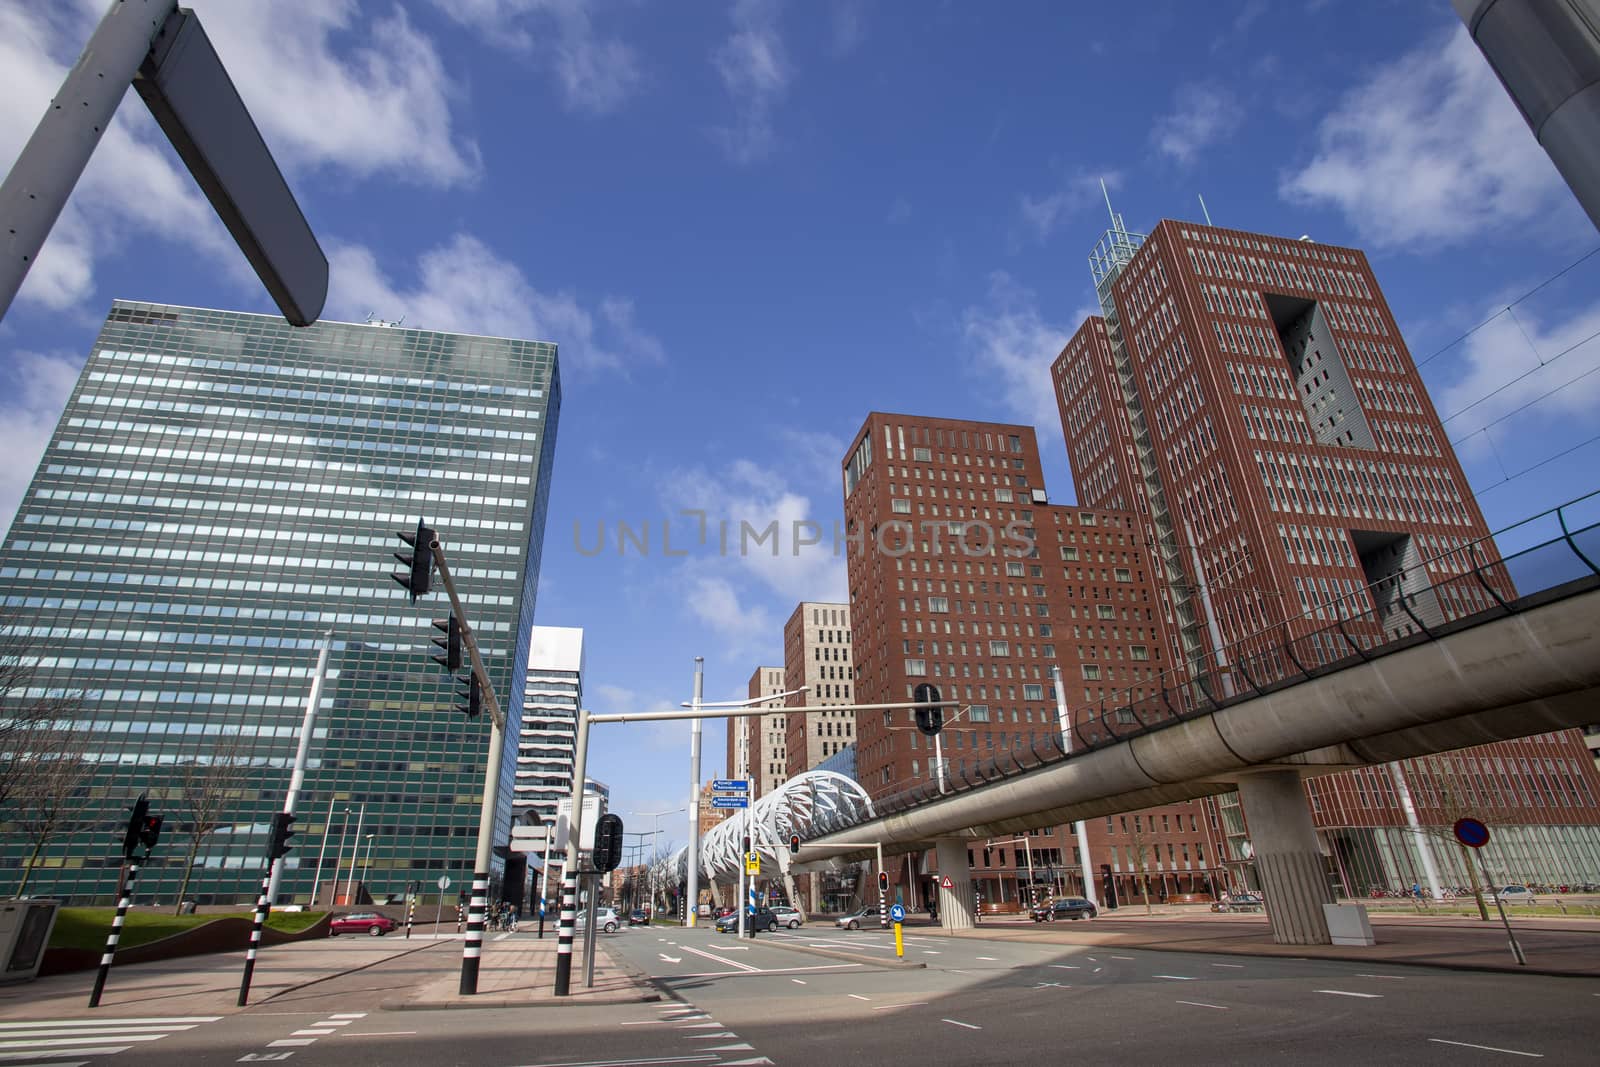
x,y
1203,114
42,383
596,74
465,286
379,102
1428,150
1079,190
1012,347
1505,355
755,71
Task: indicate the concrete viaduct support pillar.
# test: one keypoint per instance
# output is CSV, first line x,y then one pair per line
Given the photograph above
x,y
956,904
1288,860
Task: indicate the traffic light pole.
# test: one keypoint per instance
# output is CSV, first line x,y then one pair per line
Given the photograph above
x,y
297,778
263,909
110,951
472,948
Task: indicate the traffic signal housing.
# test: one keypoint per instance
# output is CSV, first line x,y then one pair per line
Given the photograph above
x,y
607,854
138,812
281,832
794,844
450,642
471,695
883,881
930,717
418,575
150,832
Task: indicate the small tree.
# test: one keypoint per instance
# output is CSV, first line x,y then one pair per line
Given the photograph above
x,y
207,786
1141,852
48,775
27,725
1453,797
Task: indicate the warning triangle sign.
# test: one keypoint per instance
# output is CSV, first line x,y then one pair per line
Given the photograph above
x,y
947,883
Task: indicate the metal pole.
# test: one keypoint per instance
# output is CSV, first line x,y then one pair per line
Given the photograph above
x,y
297,777
115,933
1027,850
472,947
1500,906
316,882
338,858
544,878
938,761
591,931
263,909
350,875
1065,722
366,861
692,857
569,871
42,178
743,897
883,892
1424,847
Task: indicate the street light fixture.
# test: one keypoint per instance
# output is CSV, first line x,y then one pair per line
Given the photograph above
x,y
655,815
366,860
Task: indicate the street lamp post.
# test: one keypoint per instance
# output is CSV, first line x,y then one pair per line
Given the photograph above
x,y
322,851
366,861
656,816
338,856
360,819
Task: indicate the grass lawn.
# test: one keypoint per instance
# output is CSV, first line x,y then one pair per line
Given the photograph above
x,y
87,927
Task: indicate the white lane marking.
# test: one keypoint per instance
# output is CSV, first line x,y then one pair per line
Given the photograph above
x,y
1491,1048
313,1033
1051,985
1392,977
1066,967
1234,966
702,1026
1097,970
1347,993
670,959
955,1022
646,1022
336,1022
109,1050
1092,959
741,1047
991,959
380,1033
291,1042
1174,977
935,952
908,1004
798,981
112,1022
348,1015
631,1062
87,1040
1122,957
103,1029
720,959
53,1063
857,996
755,972
1203,1004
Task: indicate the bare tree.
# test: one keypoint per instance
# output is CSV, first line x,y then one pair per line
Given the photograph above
x,y
50,773
1453,795
27,724
1141,853
207,786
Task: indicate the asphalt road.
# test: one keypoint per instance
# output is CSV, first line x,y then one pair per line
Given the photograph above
x,y
974,1002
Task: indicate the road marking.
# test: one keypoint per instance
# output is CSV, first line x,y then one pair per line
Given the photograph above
x,y
1490,1048
670,959
1122,957
101,1028
1051,985
1202,1004
631,1062
100,1038
955,1022
53,1063
336,1021
502,937
857,996
755,971
97,1050
1392,977
908,1004
291,1042
1097,970
1066,967
991,959
313,1033
113,1022
1235,966
1092,959
1174,977
1346,993
935,952
348,1015
798,981
381,1033
720,959
646,1022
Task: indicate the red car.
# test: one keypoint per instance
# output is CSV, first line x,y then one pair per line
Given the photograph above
x,y
361,922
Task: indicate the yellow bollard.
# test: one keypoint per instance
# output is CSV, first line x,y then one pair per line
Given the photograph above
x,y
899,944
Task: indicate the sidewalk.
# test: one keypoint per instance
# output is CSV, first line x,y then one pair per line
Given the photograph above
x,y
520,972
1553,946
517,972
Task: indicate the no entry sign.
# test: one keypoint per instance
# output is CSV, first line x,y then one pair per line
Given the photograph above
x,y
1472,833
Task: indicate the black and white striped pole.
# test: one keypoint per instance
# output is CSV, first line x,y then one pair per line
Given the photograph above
x,y
116,930
263,909
569,870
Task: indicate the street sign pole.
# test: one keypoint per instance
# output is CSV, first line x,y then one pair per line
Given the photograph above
x,y
1475,835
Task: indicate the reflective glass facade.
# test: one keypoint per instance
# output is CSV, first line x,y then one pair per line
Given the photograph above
x,y
222,489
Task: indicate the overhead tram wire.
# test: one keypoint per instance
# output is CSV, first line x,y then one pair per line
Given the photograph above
x,y
1554,277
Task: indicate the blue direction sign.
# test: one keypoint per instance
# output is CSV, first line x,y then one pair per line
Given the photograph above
x,y
731,785
730,802
1472,833
897,913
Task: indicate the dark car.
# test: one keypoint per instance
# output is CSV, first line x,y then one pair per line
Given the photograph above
x,y
361,922
1065,908
638,917
1240,902
763,919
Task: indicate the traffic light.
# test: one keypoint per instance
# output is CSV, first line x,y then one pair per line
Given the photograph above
x,y
747,845
150,832
281,832
472,694
419,561
794,844
607,843
930,717
450,642
883,881
130,840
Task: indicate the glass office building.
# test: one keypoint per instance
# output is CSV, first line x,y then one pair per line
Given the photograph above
x,y
223,489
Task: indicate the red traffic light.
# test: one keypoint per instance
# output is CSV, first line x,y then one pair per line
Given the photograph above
x,y
794,844
883,881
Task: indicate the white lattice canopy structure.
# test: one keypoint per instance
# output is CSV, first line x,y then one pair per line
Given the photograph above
x,y
812,804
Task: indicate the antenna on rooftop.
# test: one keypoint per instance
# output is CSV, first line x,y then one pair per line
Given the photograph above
x,y
1203,209
1115,223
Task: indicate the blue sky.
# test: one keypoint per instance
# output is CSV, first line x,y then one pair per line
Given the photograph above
x,y
749,224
